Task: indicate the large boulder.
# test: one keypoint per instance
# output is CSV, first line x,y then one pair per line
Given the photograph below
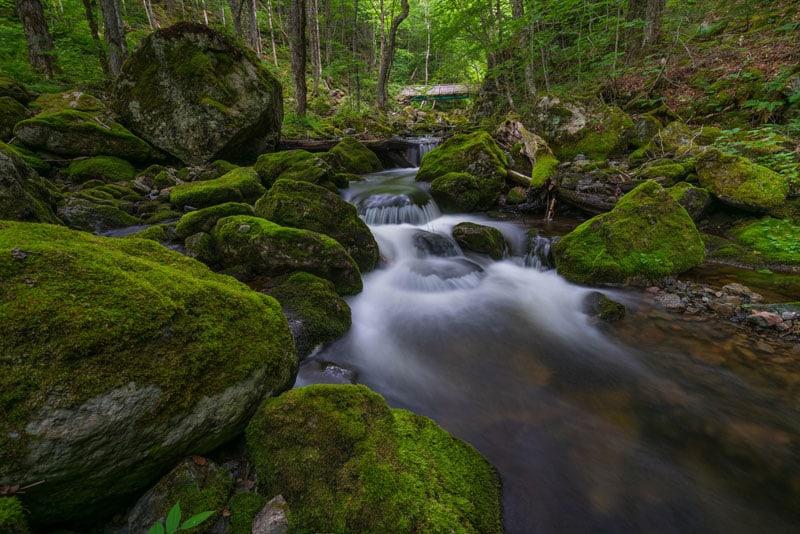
x,y
192,93
11,112
120,357
300,165
204,220
249,247
24,195
351,156
456,191
738,182
346,462
476,154
239,185
647,236
310,207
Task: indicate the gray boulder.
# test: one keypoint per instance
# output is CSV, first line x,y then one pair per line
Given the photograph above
x,y
24,195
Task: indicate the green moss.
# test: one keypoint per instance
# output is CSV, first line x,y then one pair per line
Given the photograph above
x,y
776,241
161,233
456,191
244,508
86,211
299,165
106,168
31,158
545,168
239,185
13,89
351,156
481,239
24,195
693,199
368,468
12,517
11,112
77,100
203,220
647,235
666,174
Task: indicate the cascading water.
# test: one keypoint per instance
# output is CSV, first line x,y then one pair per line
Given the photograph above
x,y
423,145
588,432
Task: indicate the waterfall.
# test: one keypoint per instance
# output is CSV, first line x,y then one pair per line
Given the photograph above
x,y
423,145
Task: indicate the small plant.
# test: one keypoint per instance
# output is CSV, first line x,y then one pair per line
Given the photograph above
x,y
173,523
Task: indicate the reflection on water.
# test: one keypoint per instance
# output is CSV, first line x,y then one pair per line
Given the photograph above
x,y
658,423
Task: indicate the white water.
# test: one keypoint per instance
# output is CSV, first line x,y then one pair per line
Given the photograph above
x,y
502,355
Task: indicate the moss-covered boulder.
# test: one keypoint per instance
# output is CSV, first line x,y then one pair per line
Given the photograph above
x,y
24,195
95,211
775,241
204,220
352,157
675,140
11,112
695,200
12,517
738,182
456,192
239,185
666,174
476,154
120,357
299,165
13,89
104,168
251,246
480,238
73,133
647,235
316,313
77,100
310,207
192,93
345,462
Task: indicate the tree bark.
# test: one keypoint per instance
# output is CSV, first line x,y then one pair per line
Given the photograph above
x,y
115,35
387,55
89,7
297,53
41,51
642,36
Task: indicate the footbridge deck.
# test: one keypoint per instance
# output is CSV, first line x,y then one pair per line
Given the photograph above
x,y
450,91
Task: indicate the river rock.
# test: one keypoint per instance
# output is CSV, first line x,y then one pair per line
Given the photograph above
x,y
249,247
13,89
119,358
80,211
646,236
104,168
242,184
596,304
480,238
353,157
299,165
204,220
192,93
24,195
738,182
11,112
456,192
476,154
368,468
307,206
695,200
433,244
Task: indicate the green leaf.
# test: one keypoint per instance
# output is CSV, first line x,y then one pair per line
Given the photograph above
x,y
174,518
158,528
196,520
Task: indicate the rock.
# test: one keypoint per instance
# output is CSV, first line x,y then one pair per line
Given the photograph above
x,y
596,304
12,516
251,246
647,235
433,244
24,195
345,461
764,319
481,239
736,181
775,241
645,127
120,357
74,133
273,519
202,247
239,185
104,168
526,150
666,174
694,200
672,302
14,89
11,112
476,154
299,165
352,157
204,220
197,484
675,141
94,214
742,291
457,192
192,93
310,207
317,314
77,100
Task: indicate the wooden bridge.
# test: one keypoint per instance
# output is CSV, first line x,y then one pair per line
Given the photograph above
x,y
450,91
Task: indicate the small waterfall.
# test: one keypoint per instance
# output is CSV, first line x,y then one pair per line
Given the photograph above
x,y
423,145
392,197
538,256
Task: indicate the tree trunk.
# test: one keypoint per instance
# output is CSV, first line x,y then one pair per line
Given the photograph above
x,y
314,45
640,37
41,52
387,56
297,53
115,35
89,7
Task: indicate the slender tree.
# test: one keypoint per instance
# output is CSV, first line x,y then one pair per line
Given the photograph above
x,y
89,7
645,30
114,31
387,55
41,51
297,52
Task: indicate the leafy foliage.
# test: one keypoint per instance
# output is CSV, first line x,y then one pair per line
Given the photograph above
x,y
173,522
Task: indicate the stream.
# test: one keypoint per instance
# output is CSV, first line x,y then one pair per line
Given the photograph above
x,y
657,423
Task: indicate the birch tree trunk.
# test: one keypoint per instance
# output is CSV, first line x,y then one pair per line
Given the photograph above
x,y
41,51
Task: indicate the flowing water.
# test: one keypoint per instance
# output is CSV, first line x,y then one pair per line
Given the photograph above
x,y
658,423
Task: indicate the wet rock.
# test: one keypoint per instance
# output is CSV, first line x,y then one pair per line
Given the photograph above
x,y
456,191
596,304
433,244
299,165
273,518
764,319
481,239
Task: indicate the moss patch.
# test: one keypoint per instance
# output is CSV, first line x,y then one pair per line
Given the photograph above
x,y
545,168
776,241
736,181
203,220
239,185
351,156
105,168
244,508
298,165
346,462
12,516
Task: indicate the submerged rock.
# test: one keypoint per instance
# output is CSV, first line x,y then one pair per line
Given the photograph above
x,y
24,195
193,94
345,462
595,304
119,358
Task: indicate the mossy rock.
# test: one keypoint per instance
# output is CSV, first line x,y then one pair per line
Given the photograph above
x,y
30,157
196,485
645,127
675,141
368,468
695,200
476,154
775,241
516,196
596,304
194,94
74,133
89,212
251,246
299,165
316,313
11,112
666,174
24,195
244,507
160,233
13,89
545,168
77,100
202,247
351,156
480,238
647,235
310,207
12,517
105,168
239,185
738,182
204,220
128,346
456,192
